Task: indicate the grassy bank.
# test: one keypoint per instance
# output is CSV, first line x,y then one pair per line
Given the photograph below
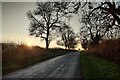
x,y
108,49
15,57
97,68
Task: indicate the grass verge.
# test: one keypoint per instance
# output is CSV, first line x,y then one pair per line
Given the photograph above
x,y
97,68
13,61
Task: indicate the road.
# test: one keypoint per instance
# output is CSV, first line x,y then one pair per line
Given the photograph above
x,y
65,66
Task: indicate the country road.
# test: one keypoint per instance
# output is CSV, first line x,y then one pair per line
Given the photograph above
x,y
65,66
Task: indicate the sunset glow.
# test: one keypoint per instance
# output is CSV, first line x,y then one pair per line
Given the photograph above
x,y
16,29
29,44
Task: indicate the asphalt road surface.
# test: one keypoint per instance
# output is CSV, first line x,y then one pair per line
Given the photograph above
x,y
65,66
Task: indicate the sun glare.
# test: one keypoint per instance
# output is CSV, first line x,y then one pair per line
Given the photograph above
x,y
29,44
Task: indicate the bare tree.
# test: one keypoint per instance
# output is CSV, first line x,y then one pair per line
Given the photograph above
x,y
109,8
46,17
113,33
94,28
68,37
84,37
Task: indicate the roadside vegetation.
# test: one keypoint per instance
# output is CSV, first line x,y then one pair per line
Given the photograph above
x,y
109,50
97,68
15,56
101,61
100,37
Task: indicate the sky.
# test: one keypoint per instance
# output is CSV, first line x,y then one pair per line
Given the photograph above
x,y
0,40
15,24
0,21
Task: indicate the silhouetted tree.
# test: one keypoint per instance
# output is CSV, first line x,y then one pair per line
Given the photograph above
x,y
46,17
109,8
68,37
94,29
113,33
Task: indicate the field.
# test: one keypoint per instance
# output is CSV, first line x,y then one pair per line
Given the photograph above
x,y
15,57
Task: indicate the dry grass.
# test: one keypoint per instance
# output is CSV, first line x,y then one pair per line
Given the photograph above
x,y
15,56
109,49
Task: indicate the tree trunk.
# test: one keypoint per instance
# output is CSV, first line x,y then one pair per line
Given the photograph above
x,y
47,37
47,44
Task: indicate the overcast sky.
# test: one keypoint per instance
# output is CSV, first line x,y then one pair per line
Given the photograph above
x,y
15,23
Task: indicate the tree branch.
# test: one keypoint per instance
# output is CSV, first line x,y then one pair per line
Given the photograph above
x,y
56,19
